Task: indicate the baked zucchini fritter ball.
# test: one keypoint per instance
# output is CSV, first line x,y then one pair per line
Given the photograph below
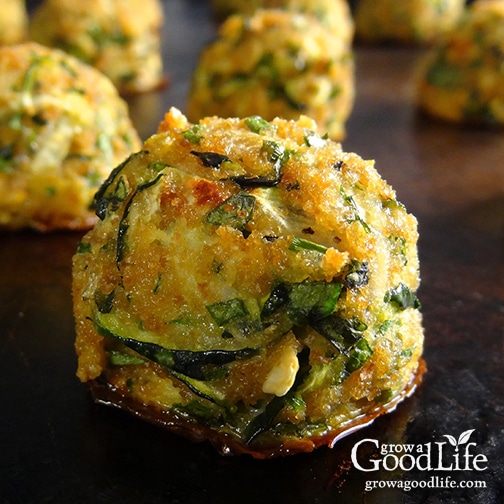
x,y
275,64
405,21
462,78
119,37
335,14
249,283
13,22
63,127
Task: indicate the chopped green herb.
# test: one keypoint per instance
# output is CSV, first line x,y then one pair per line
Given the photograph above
x,y
359,354
297,403
299,244
264,420
265,67
103,38
384,327
104,143
30,78
104,301
279,297
357,274
83,248
193,134
407,352
197,409
341,332
16,121
6,157
399,244
50,191
444,74
224,312
312,301
402,297
385,396
236,211
349,200
276,153
256,123
304,302
217,266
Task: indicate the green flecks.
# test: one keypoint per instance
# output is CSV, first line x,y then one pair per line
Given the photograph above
x,y
157,166
217,266
357,274
50,191
235,212
256,123
157,283
407,352
104,143
224,312
6,158
29,82
359,354
402,297
304,302
83,248
350,201
385,326
445,75
104,301
385,396
300,244
16,121
341,332
276,153
296,402
104,38
193,134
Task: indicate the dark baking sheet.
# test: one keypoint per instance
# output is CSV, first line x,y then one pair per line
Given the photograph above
x,y
57,446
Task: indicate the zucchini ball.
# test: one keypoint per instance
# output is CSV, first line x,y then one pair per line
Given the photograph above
x,y
275,64
121,38
406,21
63,128
251,284
461,79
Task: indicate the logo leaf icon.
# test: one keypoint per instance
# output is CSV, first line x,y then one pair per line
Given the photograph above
x,y
451,439
464,437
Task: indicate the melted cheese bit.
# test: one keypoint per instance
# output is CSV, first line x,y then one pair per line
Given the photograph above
x,y
281,377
